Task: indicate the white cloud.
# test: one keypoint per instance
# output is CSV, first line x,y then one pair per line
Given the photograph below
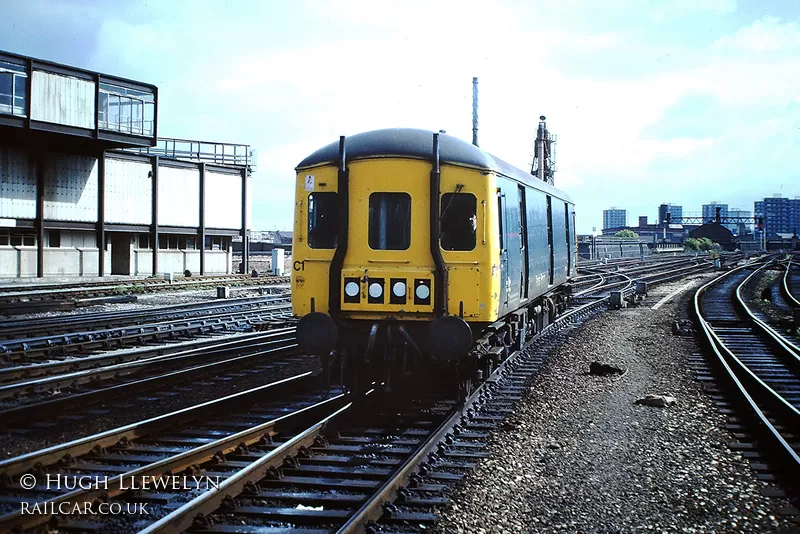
x,y
767,34
661,11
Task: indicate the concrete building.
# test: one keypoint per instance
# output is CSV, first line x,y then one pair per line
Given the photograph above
x,y
675,212
614,217
780,215
88,188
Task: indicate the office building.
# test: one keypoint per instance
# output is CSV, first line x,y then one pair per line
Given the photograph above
x,y
615,218
780,215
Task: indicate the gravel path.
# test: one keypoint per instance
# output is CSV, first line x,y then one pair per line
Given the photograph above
x,y
580,456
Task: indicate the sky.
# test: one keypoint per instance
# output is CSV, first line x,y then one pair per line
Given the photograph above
x,y
682,101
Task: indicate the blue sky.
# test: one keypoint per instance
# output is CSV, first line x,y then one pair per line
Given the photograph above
x,y
685,101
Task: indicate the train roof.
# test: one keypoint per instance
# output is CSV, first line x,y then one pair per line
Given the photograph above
x,y
418,144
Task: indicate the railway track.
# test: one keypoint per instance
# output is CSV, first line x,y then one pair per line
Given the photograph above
x,y
624,281
33,298
385,465
302,495
63,323
760,367
35,397
216,434
387,471
599,279
790,283
222,317
71,363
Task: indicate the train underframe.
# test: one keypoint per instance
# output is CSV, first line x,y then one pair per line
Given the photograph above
x,y
445,355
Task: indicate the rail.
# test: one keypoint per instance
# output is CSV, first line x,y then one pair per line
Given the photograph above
x,y
170,462
786,286
765,404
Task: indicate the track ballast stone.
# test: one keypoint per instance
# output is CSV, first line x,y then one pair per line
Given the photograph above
x,y
579,455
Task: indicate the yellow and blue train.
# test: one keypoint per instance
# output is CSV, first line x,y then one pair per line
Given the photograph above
x,y
415,249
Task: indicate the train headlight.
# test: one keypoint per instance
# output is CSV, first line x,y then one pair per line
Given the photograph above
x,y
399,289
422,291
398,295
375,290
352,290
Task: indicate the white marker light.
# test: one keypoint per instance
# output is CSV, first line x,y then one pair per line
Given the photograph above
x,y
351,289
423,292
399,289
375,290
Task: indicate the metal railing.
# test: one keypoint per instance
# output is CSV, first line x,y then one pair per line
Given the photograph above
x,y
205,151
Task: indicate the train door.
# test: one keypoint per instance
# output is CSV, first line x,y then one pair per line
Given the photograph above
x,y
550,234
569,244
574,241
523,244
501,219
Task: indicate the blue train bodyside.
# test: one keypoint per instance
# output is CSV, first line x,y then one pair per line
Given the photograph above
x,y
537,242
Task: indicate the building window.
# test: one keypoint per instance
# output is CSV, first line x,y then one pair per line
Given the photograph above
x,y
18,239
171,242
144,240
54,239
187,243
126,110
459,221
13,89
323,212
389,221
216,242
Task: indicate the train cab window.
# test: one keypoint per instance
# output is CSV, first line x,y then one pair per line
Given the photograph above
x,y
323,212
389,221
459,221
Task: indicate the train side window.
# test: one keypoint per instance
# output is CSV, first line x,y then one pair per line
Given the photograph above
x,y
459,221
323,211
389,221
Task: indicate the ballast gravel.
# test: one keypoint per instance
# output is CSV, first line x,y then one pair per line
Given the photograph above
x,y
579,455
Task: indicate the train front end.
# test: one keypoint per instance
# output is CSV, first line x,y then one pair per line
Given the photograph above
x,y
370,285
